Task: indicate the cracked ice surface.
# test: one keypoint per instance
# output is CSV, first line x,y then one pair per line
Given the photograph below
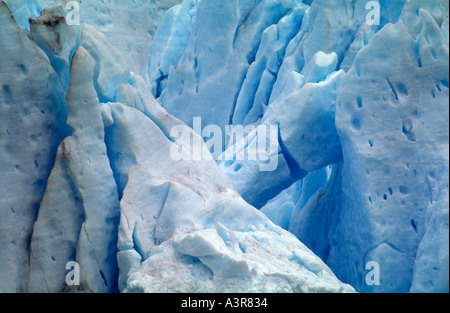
x,y
86,114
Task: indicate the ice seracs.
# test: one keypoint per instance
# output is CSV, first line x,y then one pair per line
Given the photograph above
x,y
215,44
394,134
185,216
81,186
360,113
32,124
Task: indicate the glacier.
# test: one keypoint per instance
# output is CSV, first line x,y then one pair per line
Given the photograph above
x,y
358,96
129,25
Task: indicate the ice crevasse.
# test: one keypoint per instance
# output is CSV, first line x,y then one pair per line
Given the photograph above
x,y
86,114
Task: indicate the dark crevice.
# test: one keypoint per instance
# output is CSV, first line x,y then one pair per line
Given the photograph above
x,y
392,88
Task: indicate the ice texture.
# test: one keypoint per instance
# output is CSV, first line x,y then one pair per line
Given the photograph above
x,y
87,172
186,217
32,117
47,31
82,189
218,43
129,25
394,134
370,100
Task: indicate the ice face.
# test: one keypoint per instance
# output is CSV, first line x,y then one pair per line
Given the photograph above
x,y
184,80
395,143
129,25
47,31
32,125
359,102
82,188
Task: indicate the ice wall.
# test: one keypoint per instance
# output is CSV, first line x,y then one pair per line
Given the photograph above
x,y
87,173
103,191
336,83
129,25
32,123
